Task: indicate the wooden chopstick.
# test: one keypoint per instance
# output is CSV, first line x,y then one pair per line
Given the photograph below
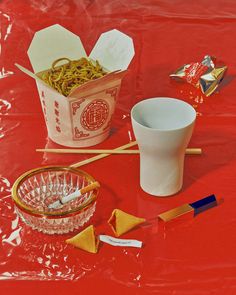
x,y
195,151
189,151
87,161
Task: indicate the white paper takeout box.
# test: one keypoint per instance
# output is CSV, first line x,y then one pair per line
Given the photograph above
x,y
84,117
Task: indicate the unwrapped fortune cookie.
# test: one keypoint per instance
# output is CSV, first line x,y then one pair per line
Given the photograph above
x,y
122,222
85,240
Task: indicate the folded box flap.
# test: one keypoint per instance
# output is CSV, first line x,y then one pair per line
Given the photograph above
x,y
93,84
32,75
114,50
52,43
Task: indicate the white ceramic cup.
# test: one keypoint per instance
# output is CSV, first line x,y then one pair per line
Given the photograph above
x,y
163,127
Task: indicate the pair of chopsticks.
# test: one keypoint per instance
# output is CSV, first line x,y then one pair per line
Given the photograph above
x,y
106,152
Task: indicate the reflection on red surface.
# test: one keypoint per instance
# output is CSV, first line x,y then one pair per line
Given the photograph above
x,y
193,257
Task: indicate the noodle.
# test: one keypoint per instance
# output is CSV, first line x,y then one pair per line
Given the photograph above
x,y
69,76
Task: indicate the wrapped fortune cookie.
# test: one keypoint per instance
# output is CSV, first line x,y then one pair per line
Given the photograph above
x,y
206,74
85,240
121,222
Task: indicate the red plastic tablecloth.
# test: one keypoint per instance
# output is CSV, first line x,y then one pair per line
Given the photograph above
x,y
193,257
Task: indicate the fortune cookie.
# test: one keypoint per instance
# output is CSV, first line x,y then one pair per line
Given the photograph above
x,y
85,240
121,222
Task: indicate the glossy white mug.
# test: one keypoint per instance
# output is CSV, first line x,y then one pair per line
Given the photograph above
x,y
163,127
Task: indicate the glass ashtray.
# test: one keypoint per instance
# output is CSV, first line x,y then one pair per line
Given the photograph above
x,y
36,189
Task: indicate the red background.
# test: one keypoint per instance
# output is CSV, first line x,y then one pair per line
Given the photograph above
x,y
193,257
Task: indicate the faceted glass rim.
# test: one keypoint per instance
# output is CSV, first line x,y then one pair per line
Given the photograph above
x,y
50,214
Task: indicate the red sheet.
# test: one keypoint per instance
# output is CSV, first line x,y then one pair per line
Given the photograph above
x,y
192,257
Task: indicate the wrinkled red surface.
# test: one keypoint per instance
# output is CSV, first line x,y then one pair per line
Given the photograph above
x,y
193,257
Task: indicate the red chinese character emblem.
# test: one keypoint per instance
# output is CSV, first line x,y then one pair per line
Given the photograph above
x,y
56,112
80,134
112,92
95,115
56,104
76,105
58,129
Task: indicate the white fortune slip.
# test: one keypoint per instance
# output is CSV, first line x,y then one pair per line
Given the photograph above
x,y
74,195
120,242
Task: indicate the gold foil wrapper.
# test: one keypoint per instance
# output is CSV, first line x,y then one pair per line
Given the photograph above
x,y
205,75
210,81
175,213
